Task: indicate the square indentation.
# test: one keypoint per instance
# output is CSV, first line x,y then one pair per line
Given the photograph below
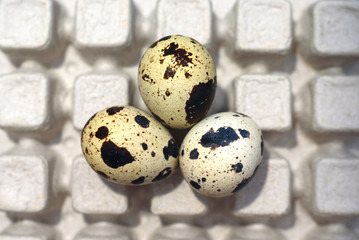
x,y
334,28
268,193
266,99
189,18
26,24
335,103
24,183
263,26
24,101
93,195
94,92
101,23
336,186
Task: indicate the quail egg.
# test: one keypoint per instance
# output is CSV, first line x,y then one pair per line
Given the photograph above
x,y
128,146
177,81
220,154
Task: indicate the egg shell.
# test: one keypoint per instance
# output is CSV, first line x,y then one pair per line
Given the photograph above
x,y
177,81
128,146
220,154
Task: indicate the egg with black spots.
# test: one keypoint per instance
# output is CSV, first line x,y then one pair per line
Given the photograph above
x,y
221,153
128,146
177,81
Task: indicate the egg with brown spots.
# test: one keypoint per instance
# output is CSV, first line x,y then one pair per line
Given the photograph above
x,y
177,81
220,154
128,146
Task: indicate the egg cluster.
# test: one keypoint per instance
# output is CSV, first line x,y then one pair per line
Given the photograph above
x,y
177,81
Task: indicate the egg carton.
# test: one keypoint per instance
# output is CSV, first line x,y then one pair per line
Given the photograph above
x,y
290,65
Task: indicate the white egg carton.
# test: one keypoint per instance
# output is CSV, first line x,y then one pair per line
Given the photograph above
x,y
290,65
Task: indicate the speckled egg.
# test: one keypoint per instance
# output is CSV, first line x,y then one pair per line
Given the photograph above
x,y
220,154
177,81
128,146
